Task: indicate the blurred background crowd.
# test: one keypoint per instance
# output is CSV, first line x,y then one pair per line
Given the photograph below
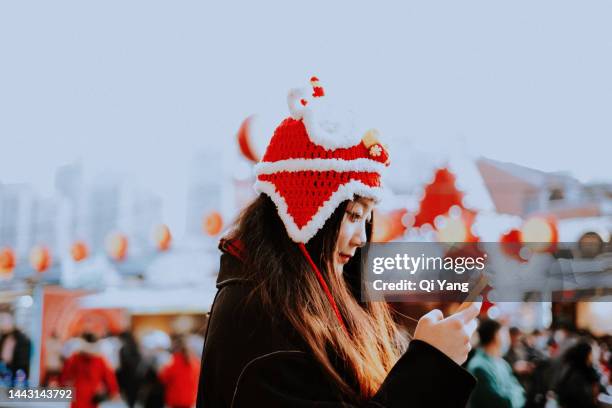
x,y
561,367
157,369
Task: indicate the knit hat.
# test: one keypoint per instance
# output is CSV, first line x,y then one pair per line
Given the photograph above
x,y
318,158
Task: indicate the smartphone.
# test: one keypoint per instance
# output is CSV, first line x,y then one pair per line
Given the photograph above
x,y
476,290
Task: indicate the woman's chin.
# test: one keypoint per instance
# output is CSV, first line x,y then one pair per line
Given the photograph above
x,y
339,269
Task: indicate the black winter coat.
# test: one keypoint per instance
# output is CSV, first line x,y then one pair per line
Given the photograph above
x,y
251,359
21,353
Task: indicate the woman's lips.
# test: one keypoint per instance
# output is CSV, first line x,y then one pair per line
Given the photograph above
x,y
344,258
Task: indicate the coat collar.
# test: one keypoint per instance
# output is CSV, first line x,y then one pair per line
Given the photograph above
x,y
232,259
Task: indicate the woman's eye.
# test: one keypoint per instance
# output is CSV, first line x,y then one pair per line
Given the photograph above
x,y
353,216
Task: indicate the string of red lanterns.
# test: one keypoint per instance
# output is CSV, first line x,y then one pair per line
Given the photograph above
x,y
117,244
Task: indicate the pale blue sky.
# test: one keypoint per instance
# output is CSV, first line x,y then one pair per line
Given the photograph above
x,y
128,85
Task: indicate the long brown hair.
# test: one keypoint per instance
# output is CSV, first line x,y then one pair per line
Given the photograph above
x,y
286,283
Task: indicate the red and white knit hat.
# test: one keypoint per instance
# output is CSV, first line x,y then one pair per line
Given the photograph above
x,y
317,159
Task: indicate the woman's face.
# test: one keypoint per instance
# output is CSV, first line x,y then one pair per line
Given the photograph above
x,y
352,234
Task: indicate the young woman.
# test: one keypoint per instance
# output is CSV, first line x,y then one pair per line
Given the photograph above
x,y
287,328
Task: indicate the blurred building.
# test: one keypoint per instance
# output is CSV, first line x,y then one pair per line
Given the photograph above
x,y
28,220
205,193
77,212
113,204
140,211
523,191
102,214
16,217
49,226
69,185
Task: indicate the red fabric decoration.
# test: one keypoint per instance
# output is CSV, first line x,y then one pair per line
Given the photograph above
x,y
511,244
439,197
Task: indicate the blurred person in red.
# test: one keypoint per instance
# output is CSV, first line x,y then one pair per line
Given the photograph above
x,y
180,376
90,375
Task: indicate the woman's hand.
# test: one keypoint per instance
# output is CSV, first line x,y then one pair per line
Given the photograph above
x,y
450,335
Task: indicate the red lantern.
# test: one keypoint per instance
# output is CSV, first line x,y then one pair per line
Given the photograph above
x,y
163,237
213,223
79,251
40,258
116,246
244,140
7,261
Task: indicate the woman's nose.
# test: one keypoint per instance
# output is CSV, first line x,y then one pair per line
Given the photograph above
x,y
360,238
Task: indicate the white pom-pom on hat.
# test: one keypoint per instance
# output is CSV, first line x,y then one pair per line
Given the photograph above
x,y
327,126
297,101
